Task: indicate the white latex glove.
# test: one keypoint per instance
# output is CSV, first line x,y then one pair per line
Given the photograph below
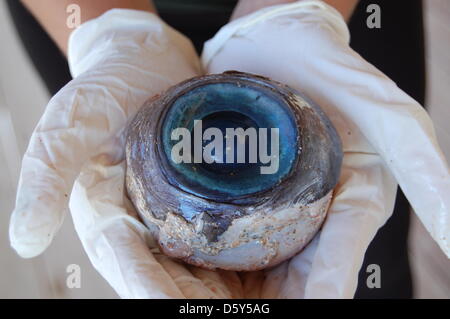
x,y
118,61
384,132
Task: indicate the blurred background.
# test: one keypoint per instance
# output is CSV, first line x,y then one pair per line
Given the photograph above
x,y
23,97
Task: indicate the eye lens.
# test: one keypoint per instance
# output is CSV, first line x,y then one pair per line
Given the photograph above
x,y
224,106
223,120
201,175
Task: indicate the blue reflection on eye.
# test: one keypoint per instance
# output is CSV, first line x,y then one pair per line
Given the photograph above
x,y
230,105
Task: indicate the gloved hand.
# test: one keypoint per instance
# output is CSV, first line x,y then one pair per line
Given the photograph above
x,y
387,136
118,61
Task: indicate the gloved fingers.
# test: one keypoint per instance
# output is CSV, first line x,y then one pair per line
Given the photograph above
x,y
288,280
222,283
363,200
273,280
284,16
401,131
74,126
196,282
116,242
252,284
119,246
39,209
233,282
137,40
120,60
394,124
191,286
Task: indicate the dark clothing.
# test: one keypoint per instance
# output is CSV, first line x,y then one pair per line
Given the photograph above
x,y
397,49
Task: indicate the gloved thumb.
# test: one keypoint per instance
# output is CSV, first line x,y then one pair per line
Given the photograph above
x,y
119,59
62,141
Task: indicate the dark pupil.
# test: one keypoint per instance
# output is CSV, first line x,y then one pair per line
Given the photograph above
x,y
223,120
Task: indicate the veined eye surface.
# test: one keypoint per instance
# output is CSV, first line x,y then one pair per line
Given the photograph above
x,y
232,170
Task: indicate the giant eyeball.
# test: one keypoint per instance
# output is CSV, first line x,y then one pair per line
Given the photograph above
x,y
232,171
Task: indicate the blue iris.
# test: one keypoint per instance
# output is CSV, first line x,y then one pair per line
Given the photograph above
x,y
229,105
